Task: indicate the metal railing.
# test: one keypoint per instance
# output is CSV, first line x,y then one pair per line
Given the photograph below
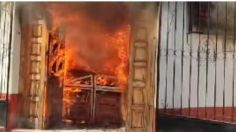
x,y
6,22
197,60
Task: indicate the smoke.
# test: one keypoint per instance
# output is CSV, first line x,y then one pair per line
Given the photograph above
x,y
94,32
214,17
109,15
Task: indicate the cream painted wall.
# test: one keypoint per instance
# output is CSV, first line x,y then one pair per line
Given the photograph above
x,y
185,88
5,28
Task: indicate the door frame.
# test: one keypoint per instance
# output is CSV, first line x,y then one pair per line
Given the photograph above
x,y
142,90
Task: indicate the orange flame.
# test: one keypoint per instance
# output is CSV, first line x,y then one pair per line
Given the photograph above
x,y
90,47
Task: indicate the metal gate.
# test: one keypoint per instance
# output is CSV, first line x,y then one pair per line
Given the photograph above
x,y
96,100
197,60
6,18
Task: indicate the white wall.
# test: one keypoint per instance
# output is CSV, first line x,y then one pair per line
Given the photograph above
x,y
5,29
15,54
186,86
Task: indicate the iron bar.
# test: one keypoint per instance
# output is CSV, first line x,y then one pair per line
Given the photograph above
x,y
224,57
167,43
9,61
174,55
190,66
216,54
158,59
198,57
182,60
3,52
233,66
207,57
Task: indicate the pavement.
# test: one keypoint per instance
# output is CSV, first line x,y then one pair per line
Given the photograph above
x,y
179,124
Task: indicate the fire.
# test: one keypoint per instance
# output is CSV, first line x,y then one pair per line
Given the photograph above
x,y
102,80
93,43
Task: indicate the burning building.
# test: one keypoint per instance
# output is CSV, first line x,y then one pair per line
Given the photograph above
x,y
79,65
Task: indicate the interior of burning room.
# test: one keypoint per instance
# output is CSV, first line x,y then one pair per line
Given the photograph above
x,y
96,51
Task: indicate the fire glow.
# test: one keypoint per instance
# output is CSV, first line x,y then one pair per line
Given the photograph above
x,y
97,44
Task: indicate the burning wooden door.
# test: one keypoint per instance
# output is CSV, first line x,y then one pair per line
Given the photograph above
x,y
55,79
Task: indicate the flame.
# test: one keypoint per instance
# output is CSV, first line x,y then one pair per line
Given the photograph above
x,y
92,45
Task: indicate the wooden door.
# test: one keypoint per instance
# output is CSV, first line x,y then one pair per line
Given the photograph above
x,y
55,79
